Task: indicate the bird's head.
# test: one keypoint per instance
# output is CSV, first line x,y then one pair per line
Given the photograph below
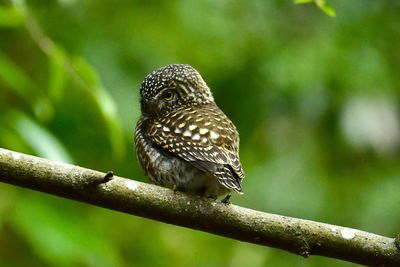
x,y
173,87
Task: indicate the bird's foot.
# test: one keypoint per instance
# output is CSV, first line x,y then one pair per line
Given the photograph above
x,y
226,199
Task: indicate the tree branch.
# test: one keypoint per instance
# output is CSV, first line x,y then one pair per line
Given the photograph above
x,y
298,236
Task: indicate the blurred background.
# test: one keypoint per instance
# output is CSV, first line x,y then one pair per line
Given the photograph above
x,y
315,99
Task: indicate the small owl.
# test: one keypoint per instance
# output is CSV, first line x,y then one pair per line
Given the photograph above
x,y
183,140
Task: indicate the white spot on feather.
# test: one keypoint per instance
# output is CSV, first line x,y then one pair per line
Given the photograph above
x,y
178,131
166,129
181,125
187,133
192,127
203,131
196,136
214,135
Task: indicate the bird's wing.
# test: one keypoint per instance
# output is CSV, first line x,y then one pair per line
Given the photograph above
x,y
205,137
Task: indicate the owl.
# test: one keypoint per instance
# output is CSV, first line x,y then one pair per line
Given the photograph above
x,y
183,140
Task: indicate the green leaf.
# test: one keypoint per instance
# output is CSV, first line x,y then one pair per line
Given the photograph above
x,y
303,1
330,11
61,237
17,81
10,17
104,102
57,60
9,138
8,197
42,141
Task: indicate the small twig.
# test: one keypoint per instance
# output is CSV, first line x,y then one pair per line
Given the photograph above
x,y
108,177
298,236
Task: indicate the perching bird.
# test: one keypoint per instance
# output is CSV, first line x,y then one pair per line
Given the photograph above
x,y
183,140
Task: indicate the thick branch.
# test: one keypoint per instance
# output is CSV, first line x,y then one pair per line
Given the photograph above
x,y
299,236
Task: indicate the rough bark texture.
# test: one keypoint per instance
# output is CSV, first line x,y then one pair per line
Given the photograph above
x,y
298,236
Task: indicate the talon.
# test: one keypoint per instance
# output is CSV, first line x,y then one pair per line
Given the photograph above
x,y
226,199
108,177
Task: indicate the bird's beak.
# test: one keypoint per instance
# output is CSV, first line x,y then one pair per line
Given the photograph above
x,y
148,106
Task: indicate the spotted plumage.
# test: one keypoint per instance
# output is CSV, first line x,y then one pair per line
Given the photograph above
x,y
183,140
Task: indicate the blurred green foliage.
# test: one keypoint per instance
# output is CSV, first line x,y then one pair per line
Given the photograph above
x,y
322,4
315,99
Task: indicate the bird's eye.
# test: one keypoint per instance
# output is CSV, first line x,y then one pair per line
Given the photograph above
x,y
168,95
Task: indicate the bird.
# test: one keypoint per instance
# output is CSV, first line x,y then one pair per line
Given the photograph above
x,y
183,140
